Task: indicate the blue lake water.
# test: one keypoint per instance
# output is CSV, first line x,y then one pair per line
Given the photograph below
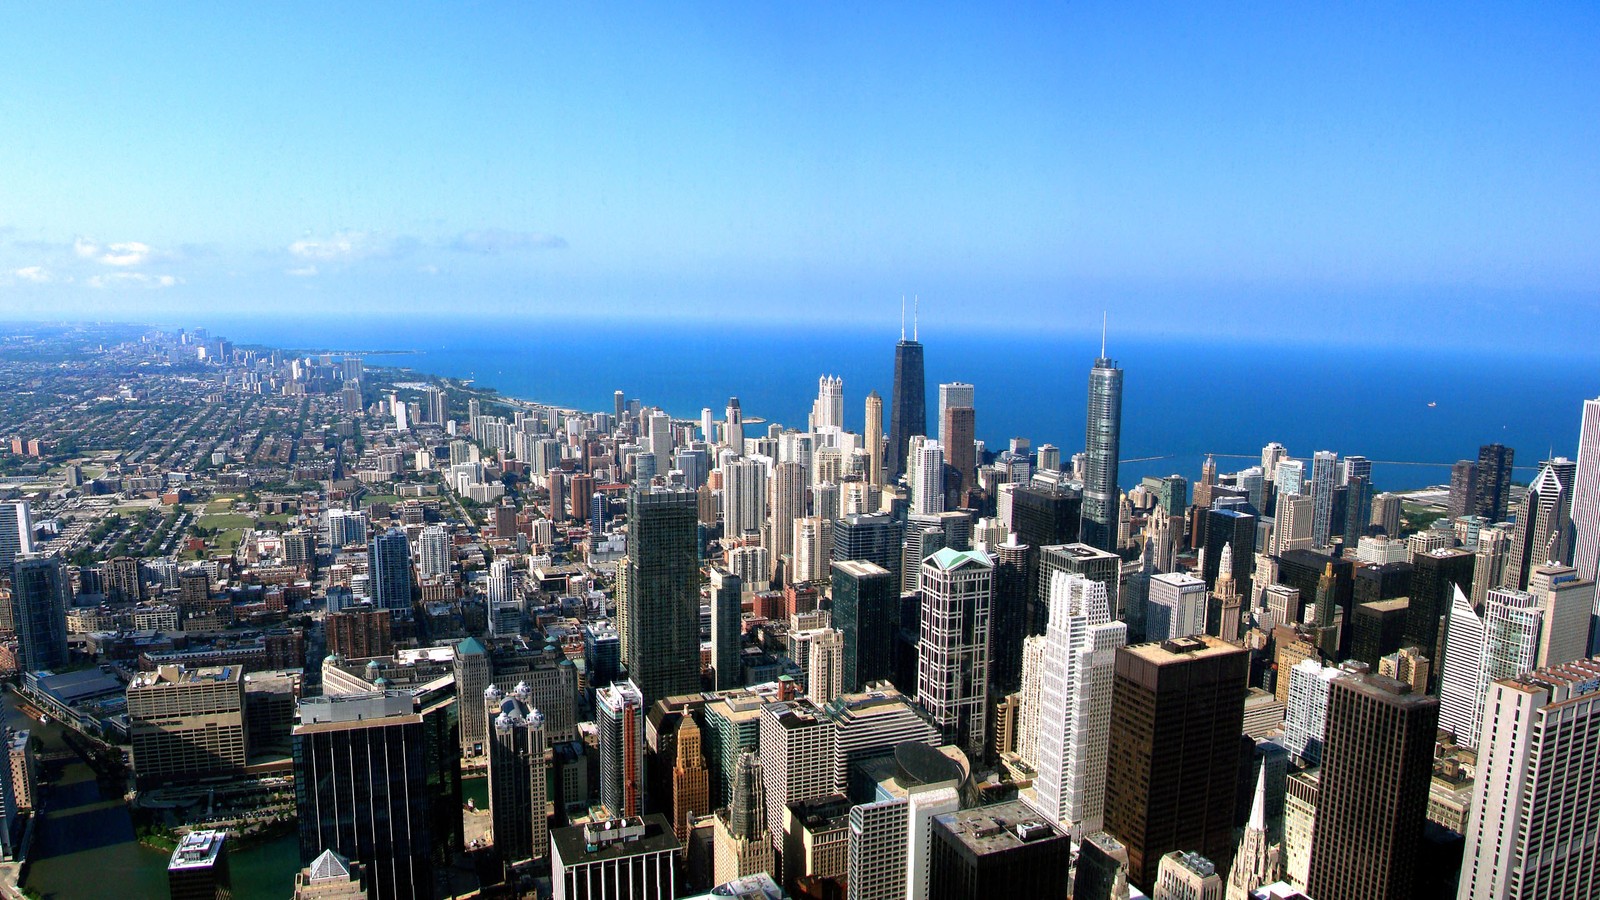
x,y
1184,396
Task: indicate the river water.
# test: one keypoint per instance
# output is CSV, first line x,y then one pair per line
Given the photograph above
x,y
84,847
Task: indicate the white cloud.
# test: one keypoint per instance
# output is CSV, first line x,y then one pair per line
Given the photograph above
x,y
37,275
301,272
123,253
348,246
134,279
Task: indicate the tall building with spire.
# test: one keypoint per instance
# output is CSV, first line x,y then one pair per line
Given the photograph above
x,y
1102,453
691,781
1225,595
743,841
1543,526
909,415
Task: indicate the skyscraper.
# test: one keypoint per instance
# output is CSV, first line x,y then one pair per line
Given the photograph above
x,y
663,597
1177,711
620,713
872,436
1175,607
1541,534
788,504
958,432
1075,703
1535,828
1463,489
909,415
40,595
378,780
517,793
1323,465
389,569
691,780
744,497
927,485
953,653
733,427
1494,481
16,533
1373,798
952,394
866,607
744,844
1102,452
1586,495
827,412
727,627
874,538
1497,640
798,744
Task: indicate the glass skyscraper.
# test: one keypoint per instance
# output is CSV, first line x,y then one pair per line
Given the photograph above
x,y
663,616
1102,451
910,413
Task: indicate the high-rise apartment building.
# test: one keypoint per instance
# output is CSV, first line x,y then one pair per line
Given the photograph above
x,y
40,595
1177,712
1102,452
958,435
1372,798
953,653
1535,827
378,780
620,714
389,569
1324,463
926,483
16,533
1075,703
827,411
1463,489
663,595
186,724
1494,481
872,436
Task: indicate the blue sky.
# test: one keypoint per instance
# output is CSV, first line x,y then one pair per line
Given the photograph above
x,y
1233,170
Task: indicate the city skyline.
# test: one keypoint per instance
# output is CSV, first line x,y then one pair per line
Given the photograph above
x,y
762,165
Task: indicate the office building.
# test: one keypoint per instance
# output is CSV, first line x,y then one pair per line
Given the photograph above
x,y
1436,575
1407,665
1000,850
908,413
1075,703
1541,533
1567,602
1079,559
40,595
1177,712
1372,796
691,780
1175,607
872,436
1233,528
1187,876
473,672
870,724
1535,827
663,598
953,653
378,780
743,840
879,834
16,533
798,745
874,538
1497,640
1463,489
958,435
727,629
952,395
186,724
1101,870
619,715
1102,451
817,855
866,608
517,774
1305,715
389,570
1585,496
1378,628
331,877
631,858
198,869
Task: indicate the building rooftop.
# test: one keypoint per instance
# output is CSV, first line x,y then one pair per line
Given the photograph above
x,y
1384,689
860,568
948,559
1393,605
614,839
197,850
185,675
1179,650
1000,827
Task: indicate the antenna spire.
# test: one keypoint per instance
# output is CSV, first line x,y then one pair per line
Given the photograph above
x,y
1102,334
916,308
902,317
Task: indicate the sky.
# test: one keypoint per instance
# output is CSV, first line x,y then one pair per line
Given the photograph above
x,y
1391,172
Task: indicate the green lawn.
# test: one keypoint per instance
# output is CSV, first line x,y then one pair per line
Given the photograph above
x,y
220,505
237,521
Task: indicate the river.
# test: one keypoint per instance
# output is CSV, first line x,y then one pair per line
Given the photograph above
x,y
84,847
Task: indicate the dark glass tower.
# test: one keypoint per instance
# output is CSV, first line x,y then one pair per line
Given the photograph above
x,y
875,537
663,593
1494,481
378,779
40,595
910,413
1102,449
866,607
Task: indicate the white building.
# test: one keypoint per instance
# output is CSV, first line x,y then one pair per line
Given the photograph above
x,y
1075,703
1306,714
1498,640
798,744
1175,607
927,482
1535,829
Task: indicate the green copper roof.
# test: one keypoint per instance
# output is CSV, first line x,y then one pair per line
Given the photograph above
x,y
471,647
947,558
